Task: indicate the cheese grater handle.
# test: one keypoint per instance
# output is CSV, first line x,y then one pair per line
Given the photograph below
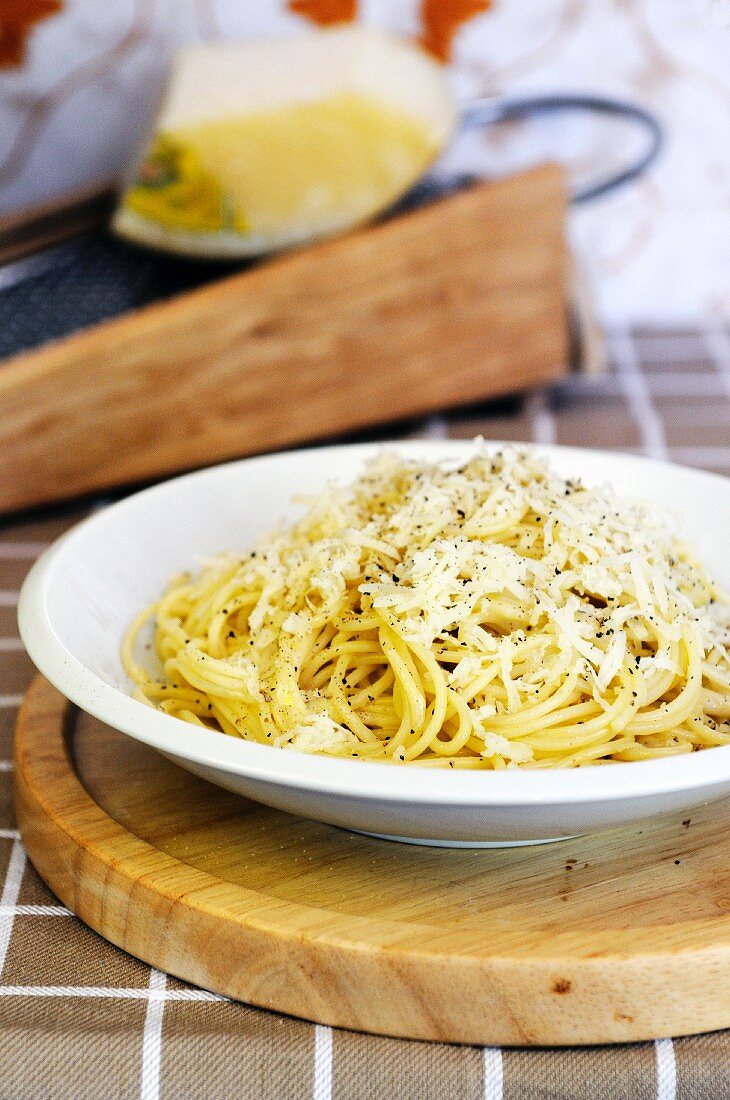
x,y
492,110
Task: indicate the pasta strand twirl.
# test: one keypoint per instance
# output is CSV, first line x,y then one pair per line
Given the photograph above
x,y
486,615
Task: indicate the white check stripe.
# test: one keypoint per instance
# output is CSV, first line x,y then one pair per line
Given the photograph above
x,y
9,834
6,765
718,343
123,993
666,1070
9,897
152,1040
8,597
322,1088
493,1073
436,427
634,385
7,701
22,551
11,645
35,911
541,419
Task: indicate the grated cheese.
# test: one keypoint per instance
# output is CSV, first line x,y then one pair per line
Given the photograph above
x,y
491,605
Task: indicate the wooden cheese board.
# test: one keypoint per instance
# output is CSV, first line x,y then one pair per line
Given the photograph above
x,y
463,299
608,938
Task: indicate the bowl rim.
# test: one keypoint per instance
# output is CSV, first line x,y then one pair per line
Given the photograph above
x,y
353,779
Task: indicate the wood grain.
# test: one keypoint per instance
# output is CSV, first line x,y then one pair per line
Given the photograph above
x,y
601,939
455,302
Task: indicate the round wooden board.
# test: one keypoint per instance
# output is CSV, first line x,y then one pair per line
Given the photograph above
x,y
615,937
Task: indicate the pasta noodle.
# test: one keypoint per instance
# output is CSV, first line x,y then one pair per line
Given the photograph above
x,y
486,615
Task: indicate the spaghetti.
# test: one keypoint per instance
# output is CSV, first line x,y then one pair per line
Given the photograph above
x,y
486,615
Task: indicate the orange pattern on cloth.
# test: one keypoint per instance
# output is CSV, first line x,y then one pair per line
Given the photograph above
x,y
441,21
441,18
325,12
16,22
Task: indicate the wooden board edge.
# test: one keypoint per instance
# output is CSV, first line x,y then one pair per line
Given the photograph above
x,y
111,375
512,1002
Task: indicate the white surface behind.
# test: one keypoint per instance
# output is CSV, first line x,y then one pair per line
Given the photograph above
x,y
658,252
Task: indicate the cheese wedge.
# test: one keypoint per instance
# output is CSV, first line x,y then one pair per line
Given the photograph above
x,y
263,145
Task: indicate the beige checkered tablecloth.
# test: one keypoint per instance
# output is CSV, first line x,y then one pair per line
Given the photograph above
x,y
79,1019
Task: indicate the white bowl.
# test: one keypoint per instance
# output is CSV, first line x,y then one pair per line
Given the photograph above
x,y
82,593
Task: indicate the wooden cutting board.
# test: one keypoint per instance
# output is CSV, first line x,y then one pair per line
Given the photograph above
x,y
455,302
610,938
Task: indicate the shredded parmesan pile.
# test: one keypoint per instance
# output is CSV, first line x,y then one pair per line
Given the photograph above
x,y
485,615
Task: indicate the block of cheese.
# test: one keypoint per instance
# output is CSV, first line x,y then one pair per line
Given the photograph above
x,y
262,145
